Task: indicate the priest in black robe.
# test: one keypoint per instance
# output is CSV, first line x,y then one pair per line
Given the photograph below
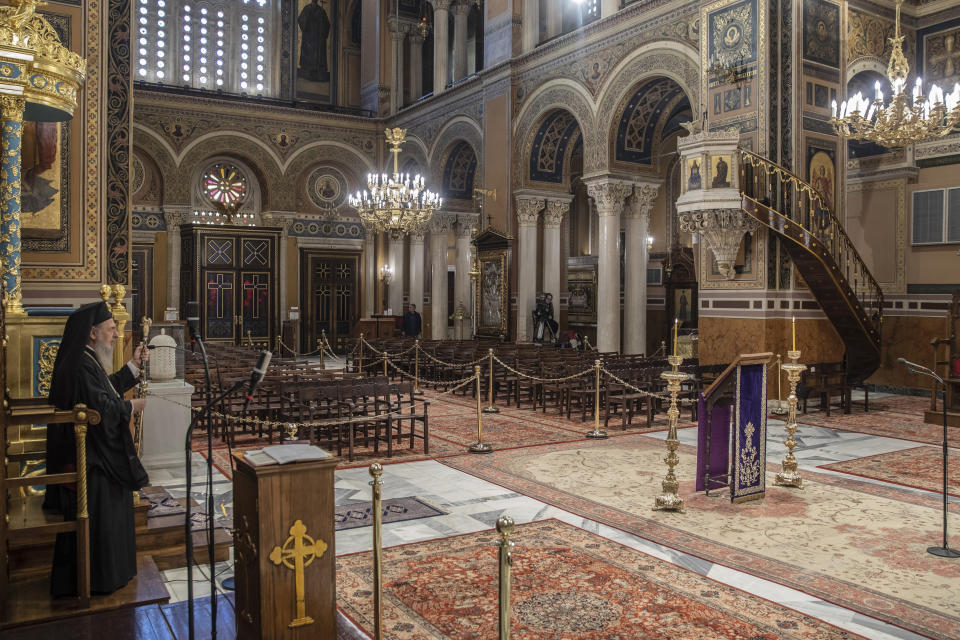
x,y
114,471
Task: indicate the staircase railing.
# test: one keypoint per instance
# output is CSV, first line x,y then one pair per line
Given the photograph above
x,y
789,198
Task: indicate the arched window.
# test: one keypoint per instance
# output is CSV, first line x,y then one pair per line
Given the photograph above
x,y
219,45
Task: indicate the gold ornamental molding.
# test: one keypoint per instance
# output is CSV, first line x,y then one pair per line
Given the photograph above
x,y
34,64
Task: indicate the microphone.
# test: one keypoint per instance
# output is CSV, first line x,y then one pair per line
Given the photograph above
x,y
256,376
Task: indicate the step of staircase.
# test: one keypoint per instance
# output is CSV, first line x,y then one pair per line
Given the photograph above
x,y
162,537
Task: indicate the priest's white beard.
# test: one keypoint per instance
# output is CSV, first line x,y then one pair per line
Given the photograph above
x,y
104,355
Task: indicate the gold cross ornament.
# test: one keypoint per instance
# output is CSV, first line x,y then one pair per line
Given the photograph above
x,y
304,551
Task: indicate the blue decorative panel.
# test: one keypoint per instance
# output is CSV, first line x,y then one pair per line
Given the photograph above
x,y
660,102
306,228
148,221
459,171
44,353
550,146
733,33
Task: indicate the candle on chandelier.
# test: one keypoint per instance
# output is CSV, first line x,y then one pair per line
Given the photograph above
x,y
794,323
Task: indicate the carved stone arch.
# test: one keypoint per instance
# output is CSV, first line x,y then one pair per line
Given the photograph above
x,y
642,123
559,94
249,151
665,58
866,63
146,180
150,145
319,162
457,129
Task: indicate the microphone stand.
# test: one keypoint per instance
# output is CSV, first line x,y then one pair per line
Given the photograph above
x,y
944,551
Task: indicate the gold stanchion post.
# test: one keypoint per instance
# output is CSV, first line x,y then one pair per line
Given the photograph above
x,y
416,369
490,408
360,367
385,365
505,528
479,446
779,411
376,470
597,433
788,476
669,500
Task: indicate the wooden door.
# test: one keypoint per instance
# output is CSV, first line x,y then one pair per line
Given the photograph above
x,y
331,293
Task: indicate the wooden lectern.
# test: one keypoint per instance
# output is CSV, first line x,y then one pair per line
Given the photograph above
x,y
732,430
285,565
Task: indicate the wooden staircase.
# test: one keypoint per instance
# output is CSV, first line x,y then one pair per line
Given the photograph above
x,y
823,254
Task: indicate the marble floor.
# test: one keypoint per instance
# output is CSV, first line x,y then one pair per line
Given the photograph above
x,y
473,505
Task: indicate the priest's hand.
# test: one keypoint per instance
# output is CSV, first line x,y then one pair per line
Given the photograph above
x,y
141,356
138,404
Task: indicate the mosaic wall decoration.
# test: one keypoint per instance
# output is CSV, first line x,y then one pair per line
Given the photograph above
x,y
119,146
657,105
821,32
941,62
459,172
550,146
733,34
821,168
326,188
148,221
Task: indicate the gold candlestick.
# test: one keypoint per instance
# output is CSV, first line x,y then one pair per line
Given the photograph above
x,y
788,475
669,500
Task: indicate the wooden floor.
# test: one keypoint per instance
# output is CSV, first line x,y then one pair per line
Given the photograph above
x,y
149,622
30,602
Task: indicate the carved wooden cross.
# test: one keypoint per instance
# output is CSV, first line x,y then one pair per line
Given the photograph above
x,y
304,551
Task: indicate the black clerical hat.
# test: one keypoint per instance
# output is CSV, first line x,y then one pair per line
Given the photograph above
x,y
76,334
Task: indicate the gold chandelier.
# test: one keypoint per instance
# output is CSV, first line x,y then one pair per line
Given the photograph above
x,y
907,118
397,204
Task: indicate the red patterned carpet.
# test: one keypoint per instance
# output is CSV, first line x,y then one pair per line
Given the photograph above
x,y
567,583
858,545
920,467
889,416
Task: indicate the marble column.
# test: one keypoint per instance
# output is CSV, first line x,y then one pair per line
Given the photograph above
x,y
397,36
415,40
609,197
441,56
175,219
416,271
609,7
530,34
10,238
552,219
464,264
637,225
528,212
395,289
370,273
460,12
553,18
439,240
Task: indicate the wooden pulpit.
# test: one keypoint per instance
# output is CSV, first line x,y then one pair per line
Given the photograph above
x,y
732,430
285,564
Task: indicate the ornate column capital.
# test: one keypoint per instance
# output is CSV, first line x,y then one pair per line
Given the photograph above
x,y
416,237
554,213
174,219
723,230
441,5
641,202
528,210
12,108
462,8
465,226
440,223
609,196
